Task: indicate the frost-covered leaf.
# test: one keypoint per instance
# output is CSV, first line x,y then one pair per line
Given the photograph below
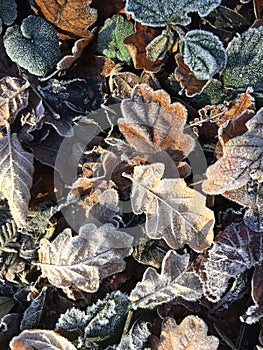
x,y
245,61
158,47
34,45
255,312
111,36
152,124
72,320
8,12
242,160
106,318
173,281
235,250
13,98
173,211
72,16
136,337
190,334
34,312
40,339
163,12
203,53
84,259
16,176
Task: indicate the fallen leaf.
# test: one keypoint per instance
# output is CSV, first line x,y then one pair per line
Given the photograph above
x,y
258,9
152,124
137,43
74,17
40,339
241,161
187,79
235,250
84,259
173,281
13,98
16,176
136,338
173,211
191,334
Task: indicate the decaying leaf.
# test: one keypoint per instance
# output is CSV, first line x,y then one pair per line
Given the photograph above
x,y
203,53
173,211
137,43
162,12
191,334
152,124
187,79
111,36
235,250
173,281
74,17
255,312
40,339
245,61
16,176
84,259
241,161
13,98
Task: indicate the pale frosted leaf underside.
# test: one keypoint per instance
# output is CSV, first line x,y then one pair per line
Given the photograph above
x,y
235,250
84,259
152,124
163,12
173,281
136,337
190,334
173,211
16,173
242,160
13,98
40,339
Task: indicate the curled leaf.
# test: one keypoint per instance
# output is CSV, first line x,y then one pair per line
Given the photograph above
x,y
173,281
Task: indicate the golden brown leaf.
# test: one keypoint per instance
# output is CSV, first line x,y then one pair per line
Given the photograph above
x,y
152,124
187,79
74,17
191,334
136,44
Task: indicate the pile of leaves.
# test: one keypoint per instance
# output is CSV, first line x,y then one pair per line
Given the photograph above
x,y
131,170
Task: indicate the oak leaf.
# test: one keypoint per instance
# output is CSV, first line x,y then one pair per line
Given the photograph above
x,y
74,17
13,98
241,161
173,281
16,176
84,259
40,339
152,124
173,211
191,334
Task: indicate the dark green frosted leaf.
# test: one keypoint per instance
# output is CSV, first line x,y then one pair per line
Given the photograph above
x,y
8,12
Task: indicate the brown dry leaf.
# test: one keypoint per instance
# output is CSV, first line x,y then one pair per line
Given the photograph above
x,y
173,281
136,44
173,211
16,176
84,259
13,98
186,78
40,339
74,17
191,334
258,9
79,46
152,124
242,160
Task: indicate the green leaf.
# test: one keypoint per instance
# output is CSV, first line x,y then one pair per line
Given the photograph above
x,y
33,46
111,36
203,53
245,61
163,12
8,12
159,46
